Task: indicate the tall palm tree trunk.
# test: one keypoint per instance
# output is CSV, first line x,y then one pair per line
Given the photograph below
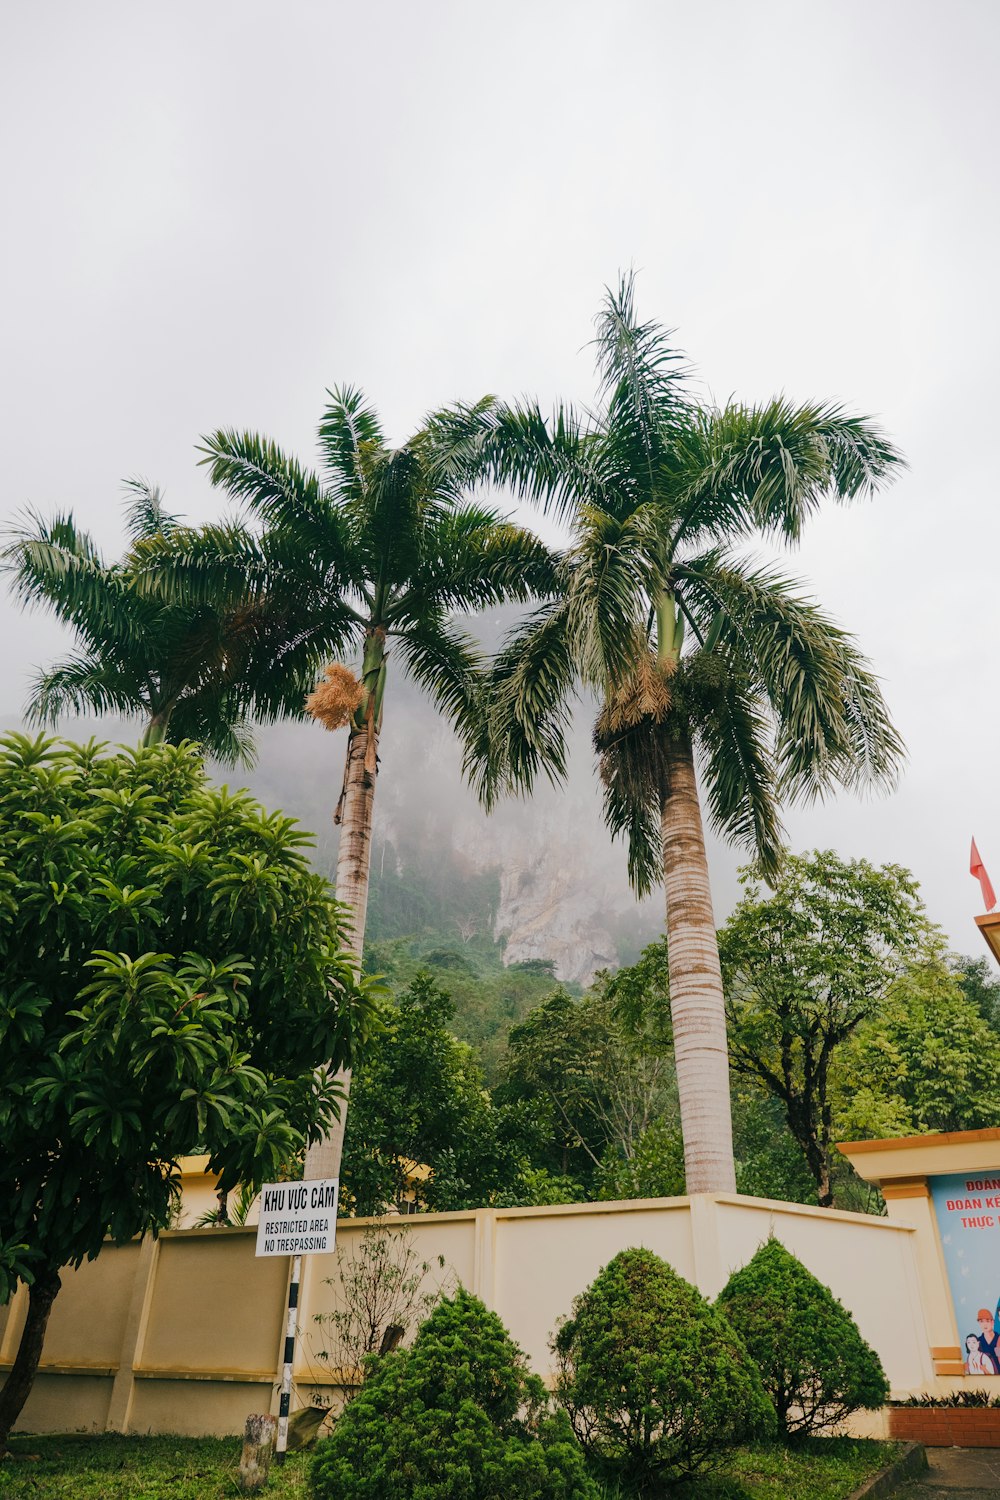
x,y
696,997
156,729
354,814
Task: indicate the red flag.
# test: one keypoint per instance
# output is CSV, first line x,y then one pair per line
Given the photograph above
x,y
977,868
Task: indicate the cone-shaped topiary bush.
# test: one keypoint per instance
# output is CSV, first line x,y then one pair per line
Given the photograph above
x,y
655,1382
815,1365
456,1417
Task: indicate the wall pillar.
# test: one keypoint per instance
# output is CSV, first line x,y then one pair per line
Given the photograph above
x,y
908,1201
123,1389
16,1310
709,1274
485,1257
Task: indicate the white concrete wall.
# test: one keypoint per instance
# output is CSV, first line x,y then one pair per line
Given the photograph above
x,y
184,1334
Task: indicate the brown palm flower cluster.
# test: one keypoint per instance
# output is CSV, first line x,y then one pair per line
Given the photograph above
x,y
335,700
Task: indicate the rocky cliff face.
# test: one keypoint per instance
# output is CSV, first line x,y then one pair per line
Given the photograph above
x,y
544,914
563,894
563,891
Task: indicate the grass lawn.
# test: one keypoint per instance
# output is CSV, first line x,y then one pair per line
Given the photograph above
x,y
138,1468
821,1469
164,1468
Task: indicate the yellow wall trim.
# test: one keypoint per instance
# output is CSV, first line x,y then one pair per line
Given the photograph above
x,y
912,1187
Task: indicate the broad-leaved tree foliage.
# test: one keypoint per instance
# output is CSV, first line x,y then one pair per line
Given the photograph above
x,y
805,964
420,1099
924,1061
702,660
171,982
597,1081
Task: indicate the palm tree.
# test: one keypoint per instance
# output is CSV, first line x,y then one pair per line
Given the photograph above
x,y
178,666
369,561
698,656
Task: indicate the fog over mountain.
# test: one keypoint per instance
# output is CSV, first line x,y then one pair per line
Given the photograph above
x,y
214,212
562,885
563,891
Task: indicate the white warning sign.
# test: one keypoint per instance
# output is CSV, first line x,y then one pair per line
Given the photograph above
x,y
298,1218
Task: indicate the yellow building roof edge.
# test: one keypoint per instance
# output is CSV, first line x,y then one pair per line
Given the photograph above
x,y
914,1142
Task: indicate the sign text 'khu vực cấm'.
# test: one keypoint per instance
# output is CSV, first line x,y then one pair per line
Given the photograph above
x,y
298,1218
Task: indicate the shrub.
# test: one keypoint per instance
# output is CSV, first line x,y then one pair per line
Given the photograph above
x,y
456,1417
815,1365
653,1379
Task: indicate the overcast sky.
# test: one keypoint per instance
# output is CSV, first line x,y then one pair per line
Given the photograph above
x,y
213,211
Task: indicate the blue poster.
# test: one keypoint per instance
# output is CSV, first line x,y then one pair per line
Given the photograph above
x,y
968,1216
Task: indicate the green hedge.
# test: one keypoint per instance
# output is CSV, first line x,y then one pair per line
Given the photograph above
x,y
815,1365
655,1381
456,1417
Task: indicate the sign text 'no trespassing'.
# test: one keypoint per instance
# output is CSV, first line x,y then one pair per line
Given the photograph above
x,y
298,1218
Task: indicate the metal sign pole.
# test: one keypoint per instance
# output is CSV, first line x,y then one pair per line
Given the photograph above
x,y
296,1219
281,1445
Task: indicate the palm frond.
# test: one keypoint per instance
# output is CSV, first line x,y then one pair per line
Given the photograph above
x,y
472,558
389,516
768,468
254,470
55,565
613,577
527,702
219,564
349,435
641,378
734,736
632,766
833,725
448,665
554,463
84,684
145,513
215,722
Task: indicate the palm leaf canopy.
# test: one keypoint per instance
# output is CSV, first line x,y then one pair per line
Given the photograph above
x,y
379,539
663,493
137,655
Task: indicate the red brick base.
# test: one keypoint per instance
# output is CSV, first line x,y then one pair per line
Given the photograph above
x,y
946,1426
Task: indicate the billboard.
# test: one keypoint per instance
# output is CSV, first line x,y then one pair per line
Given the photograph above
x,y
967,1207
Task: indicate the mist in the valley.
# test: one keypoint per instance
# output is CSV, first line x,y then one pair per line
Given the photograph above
x,y
563,888
561,880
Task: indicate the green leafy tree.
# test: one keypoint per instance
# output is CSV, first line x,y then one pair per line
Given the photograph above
x,y
419,1099
371,560
769,1161
172,981
655,1381
980,984
600,1083
456,1417
697,655
922,1062
816,1367
183,667
805,966
655,1168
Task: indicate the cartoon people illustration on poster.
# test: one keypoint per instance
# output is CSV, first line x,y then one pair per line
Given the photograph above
x,y
982,1349
976,1362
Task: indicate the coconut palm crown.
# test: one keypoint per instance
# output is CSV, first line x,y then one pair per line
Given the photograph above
x,y
363,566
181,667
696,653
